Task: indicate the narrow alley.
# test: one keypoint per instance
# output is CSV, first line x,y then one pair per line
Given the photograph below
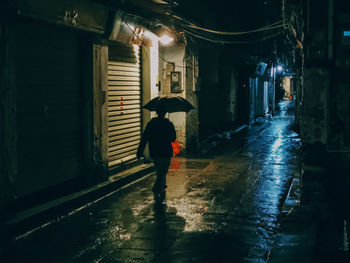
x,y
221,207
256,93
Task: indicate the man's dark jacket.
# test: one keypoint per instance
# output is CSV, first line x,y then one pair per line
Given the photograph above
x,y
159,133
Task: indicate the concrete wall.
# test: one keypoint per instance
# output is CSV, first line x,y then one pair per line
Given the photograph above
x,y
339,105
100,87
192,118
228,80
317,72
286,83
339,117
252,90
8,138
149,81
314,111
259,97
177,57
171,58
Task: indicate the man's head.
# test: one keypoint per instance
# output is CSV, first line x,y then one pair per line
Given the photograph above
x,y
161,113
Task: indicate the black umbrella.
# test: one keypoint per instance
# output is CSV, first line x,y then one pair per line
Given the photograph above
x,y
169,104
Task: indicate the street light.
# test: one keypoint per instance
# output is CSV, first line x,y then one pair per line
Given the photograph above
x,y
165,39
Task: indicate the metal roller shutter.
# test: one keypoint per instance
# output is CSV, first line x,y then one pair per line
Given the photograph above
x,y
124,102
49,107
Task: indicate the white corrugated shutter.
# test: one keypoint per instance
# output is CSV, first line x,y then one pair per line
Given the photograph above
x,y
124,102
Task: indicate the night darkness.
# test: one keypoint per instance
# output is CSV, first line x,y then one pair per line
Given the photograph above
x,y
243,158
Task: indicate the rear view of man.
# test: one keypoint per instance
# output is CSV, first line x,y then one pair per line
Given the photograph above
x,y
159,134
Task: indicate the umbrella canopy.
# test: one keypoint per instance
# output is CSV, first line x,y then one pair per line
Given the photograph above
x,y
169,104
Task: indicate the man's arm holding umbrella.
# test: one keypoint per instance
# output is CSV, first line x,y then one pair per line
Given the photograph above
x,y
143,142
172,132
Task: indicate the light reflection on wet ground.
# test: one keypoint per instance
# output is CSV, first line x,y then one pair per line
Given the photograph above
x,y
218,208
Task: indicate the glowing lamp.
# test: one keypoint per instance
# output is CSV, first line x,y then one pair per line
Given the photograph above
x,y
165,39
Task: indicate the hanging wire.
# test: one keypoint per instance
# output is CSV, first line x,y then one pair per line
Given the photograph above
x,y
219,41
277,24
189,25
233,42
270,27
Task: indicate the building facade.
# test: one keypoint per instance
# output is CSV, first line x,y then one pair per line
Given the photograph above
x,y
74,78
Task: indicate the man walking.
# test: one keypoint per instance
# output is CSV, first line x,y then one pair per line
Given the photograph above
x,y
159,134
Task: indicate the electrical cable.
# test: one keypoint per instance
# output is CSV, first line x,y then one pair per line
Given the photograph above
x,y
274,25
210,40
233,42
187,24
270,27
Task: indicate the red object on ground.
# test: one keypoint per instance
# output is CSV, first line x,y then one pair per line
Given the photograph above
x,y
176,148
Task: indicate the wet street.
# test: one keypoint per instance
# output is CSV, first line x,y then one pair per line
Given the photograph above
x,y
221,207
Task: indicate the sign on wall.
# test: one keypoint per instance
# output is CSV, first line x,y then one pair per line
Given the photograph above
x,y
175,82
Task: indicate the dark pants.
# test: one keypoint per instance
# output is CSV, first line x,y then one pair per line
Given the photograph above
x,y
162,167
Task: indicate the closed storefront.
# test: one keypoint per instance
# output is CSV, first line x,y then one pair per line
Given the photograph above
x,y
49,106
124,102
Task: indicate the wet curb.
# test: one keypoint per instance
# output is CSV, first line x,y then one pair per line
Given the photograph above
x,y
296,234
215,140
32,218
292,200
